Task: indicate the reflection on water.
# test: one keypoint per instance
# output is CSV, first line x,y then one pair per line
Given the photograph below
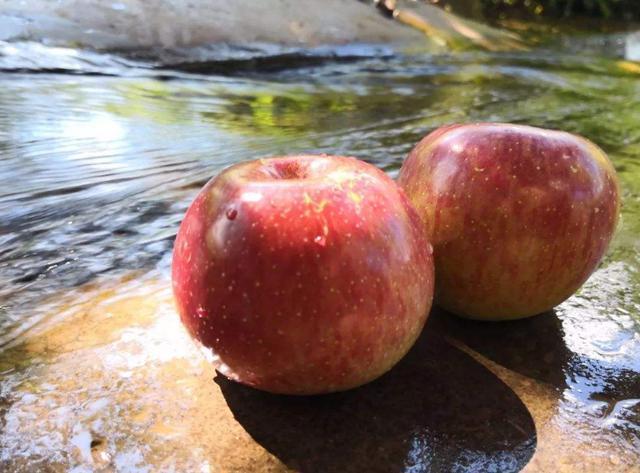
x,y
96,173
601,330
632,47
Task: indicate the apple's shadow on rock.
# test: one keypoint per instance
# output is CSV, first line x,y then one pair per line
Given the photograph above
x,y
437,410
534,347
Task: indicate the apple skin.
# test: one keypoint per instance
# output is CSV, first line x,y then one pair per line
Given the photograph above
x,y
303,274
519,217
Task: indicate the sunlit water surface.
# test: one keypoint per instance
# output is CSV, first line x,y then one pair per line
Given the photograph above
x,y
96,173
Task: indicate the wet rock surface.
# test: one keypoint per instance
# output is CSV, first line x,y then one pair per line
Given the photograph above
x,y
139,24
226,37
117,385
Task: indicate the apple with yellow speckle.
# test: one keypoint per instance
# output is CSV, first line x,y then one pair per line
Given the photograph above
x,y
304,274
518,216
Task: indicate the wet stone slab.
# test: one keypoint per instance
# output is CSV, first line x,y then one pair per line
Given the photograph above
x,y
177,32
131,24
113,383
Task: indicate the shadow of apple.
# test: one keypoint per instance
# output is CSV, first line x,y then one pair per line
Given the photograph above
x,y
597,392
534,347
437,410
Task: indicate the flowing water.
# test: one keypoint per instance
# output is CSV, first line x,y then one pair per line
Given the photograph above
x,y
99,159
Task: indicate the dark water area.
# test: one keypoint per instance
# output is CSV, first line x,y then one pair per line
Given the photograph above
x,y
100,157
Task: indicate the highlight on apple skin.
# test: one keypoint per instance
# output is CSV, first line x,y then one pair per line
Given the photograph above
x,y
519,217
304,274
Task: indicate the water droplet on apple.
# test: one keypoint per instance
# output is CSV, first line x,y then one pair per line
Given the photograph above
x,y
232,214
320,240
200,312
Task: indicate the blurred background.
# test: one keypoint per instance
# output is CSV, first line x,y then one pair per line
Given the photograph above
x,y
495,10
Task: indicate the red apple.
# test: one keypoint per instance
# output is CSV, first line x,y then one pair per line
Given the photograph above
x,y
519,217
304,274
